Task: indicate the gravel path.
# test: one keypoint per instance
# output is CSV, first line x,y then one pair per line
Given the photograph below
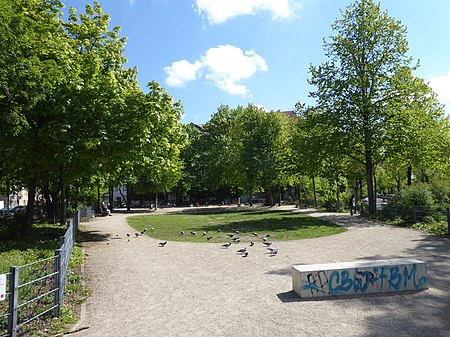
x,y
190,289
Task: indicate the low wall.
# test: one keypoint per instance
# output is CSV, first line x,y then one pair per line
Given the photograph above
x,y
359,278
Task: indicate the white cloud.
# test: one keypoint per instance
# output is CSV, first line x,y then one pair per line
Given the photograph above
x,y
441,85
224,66
219,11
181,72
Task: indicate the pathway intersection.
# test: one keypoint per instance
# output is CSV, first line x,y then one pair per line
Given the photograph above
x,y
198,289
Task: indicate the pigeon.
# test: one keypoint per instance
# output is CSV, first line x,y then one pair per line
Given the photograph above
x,y
237,232
182,233
193,233
204,233
268,235
251,243
270,248
128,234
209,238
267,243
230,235
145,229
255,234
152,229
218,230
236,239
137,234
226,245
242,250
245,254
274,252
142,233
264,239
162,244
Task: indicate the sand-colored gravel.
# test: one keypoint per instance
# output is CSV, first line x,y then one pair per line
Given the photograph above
x,y
190,289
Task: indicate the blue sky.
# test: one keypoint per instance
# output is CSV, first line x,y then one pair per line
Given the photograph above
x,y
234,52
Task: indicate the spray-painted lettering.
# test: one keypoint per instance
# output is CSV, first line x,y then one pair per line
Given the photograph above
x,y
365,280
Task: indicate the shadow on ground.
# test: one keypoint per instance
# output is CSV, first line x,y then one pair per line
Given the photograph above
x,y
425,313
93,236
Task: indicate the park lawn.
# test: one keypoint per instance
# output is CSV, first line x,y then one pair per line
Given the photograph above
x,y
281,225
39,243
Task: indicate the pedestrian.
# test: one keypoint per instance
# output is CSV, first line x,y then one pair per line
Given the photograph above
x,y
105,209
352,205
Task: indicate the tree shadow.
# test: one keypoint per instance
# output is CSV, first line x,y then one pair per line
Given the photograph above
x,y
133,211
93,236
269,225
41,237
424,314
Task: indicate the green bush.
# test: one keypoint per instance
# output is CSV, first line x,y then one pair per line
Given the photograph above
x,y
417,196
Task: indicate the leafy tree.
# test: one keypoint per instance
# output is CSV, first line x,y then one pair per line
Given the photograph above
x,y
220,147
367,87
263,148
36,74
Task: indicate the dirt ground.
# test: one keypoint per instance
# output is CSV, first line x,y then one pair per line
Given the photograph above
x,y
190,289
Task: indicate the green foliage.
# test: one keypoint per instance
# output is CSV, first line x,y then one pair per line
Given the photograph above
x,y
417,196
72,113
438,228
370,107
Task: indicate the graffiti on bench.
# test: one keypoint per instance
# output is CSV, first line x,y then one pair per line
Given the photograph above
x,y
361,279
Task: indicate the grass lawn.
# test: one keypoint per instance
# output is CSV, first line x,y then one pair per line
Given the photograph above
x,y
281,225
40,243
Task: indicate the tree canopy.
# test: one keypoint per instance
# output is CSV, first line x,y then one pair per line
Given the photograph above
x,y
72,113
368,100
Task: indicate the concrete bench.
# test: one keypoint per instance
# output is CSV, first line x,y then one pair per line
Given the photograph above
x,y
359,278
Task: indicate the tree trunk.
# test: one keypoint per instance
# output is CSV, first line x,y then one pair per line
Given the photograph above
x,y
128,197
250,197
62,188
315,193
375,187
270,196
156,201
111,198
8,191
369,177
300,195
77,191
98,199
123,196
30,204
409,175
338,198
399,182
279,194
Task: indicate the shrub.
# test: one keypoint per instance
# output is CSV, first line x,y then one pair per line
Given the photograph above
x,y
417,196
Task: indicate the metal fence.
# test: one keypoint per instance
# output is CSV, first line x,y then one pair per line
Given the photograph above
x,y
86,213
37,289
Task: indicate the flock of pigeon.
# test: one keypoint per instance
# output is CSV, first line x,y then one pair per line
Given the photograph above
x,y
234,238
244,251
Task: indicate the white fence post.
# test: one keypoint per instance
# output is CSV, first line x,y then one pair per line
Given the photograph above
x,y
57,282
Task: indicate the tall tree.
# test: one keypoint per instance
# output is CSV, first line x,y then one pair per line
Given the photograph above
x,y
365,86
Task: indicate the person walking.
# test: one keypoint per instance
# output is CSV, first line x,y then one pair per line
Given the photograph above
x,y
352,205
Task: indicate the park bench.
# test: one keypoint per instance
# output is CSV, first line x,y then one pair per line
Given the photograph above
x,y
359,278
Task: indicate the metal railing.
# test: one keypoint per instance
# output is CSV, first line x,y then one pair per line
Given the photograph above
x,y
37,288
